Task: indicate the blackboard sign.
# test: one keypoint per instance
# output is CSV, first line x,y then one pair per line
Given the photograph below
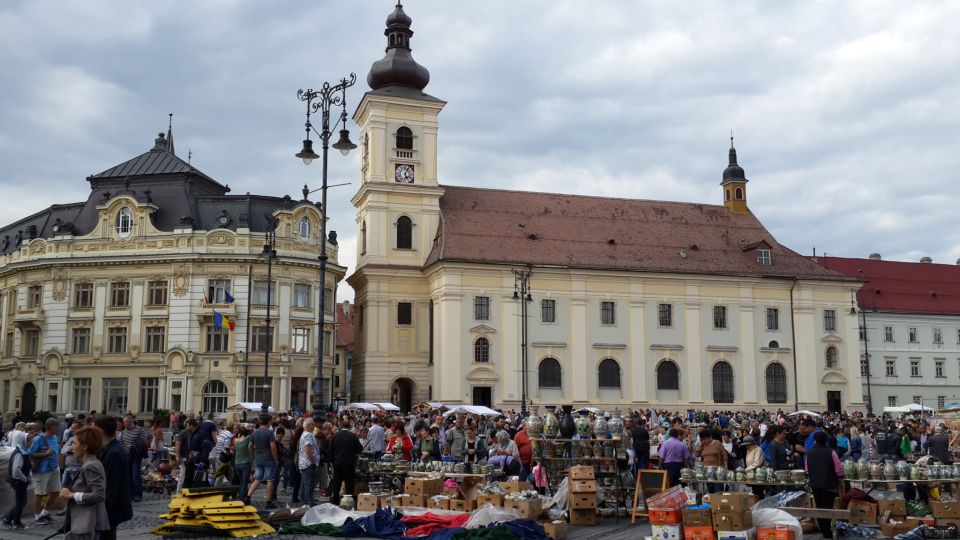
x,y
649,482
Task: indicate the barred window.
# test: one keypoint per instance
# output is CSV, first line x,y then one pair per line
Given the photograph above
x,y
549,373
481,350
608,313
668,376
722,383
608,374
665,314
481,308
776,383
548,311
773,319
720,317
830,320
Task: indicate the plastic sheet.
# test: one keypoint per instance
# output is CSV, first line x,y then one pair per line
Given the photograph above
x,y
330,514
784,498
488,513
771,517
559,499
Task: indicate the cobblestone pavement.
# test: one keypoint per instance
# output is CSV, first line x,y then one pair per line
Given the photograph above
x,y
146,512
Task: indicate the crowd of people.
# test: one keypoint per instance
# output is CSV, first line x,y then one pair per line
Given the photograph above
x,y
97,461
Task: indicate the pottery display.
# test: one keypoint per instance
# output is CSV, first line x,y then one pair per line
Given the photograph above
x,y
601,427
740,475
863,469
551,426
890,472
750,476
615,424
584,426
761,475
849,470
346,502
567,425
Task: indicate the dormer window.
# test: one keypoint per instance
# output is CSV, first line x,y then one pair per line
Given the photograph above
x,y
763,257
305,228
124,222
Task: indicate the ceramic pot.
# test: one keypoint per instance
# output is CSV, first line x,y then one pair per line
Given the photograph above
x,y
615,424
534,426
863,470
567,426
890,471
601,427
346,502
551,426
584,427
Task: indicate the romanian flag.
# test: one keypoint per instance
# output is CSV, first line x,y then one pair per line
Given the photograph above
x,y
228,297
222,321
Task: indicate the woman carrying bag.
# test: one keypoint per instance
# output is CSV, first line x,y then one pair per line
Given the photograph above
x,y
86,512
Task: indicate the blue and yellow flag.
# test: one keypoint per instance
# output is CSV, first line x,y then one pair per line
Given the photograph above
x,y
222,321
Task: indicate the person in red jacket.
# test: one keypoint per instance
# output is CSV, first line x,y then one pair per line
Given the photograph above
x,y
400,442
525,447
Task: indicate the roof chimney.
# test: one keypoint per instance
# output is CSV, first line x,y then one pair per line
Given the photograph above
x,y
926,260
875,256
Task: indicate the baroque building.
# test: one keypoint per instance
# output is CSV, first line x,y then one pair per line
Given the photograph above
x,y
909,316
109,304
633,303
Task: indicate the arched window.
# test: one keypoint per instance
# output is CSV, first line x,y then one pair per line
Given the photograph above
x,y
739,193
404,233
548,374
776,383
728,194
608,374
404,139
305,228
481,350
774,344
722,383
124,221
831,357
363,238
668,376
215,397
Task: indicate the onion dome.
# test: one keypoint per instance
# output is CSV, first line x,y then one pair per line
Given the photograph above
x,y
733,172
398,67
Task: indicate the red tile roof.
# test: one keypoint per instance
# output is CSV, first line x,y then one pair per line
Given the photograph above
x,y
518,227
345,326
902,286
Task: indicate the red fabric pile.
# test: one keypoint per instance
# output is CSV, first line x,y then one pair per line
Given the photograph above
x,y
429,523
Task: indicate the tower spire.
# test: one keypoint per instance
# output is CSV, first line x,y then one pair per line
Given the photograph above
x,y
734,183
398,67
170,134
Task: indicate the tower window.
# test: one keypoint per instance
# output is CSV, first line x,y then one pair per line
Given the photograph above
x,y
404,139
739,194
728,194
305,228
404,233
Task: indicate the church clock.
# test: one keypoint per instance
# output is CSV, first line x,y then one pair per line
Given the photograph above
x,y
403,173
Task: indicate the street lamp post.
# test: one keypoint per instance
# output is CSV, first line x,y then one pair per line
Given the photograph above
x,y
521,291
269,251
321,101
866,349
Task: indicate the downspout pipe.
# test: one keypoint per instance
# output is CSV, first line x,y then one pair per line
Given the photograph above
x,y
793,349
246,350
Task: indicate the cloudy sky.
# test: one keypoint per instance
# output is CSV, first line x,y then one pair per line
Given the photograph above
x,y
846,114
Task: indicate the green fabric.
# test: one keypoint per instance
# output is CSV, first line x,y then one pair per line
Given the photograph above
x,y
241,456
499,532
322,529
905,446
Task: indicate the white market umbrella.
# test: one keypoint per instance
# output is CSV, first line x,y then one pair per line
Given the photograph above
x,y
249,407
473,409
914,407
362,406
387,406
806,412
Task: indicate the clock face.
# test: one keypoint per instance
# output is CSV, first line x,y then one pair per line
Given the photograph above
x,y
404,174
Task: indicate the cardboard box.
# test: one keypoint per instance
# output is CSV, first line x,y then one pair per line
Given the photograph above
x,y
582,486
423,486
439,503
729,502
556,530
666,532
663,517
698,532
515,486
367,502
496,500
863,513
697,518
527,508
803,501
735,535
461,505
780,532
896,507
916,522
583,517
890,530
946,522
733,521
949,509
583,501
581,472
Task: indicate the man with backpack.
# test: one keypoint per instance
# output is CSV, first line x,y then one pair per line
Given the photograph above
x,y
18,475
45,453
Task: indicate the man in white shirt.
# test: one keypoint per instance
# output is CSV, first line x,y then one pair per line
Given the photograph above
x,y
376,437
307,462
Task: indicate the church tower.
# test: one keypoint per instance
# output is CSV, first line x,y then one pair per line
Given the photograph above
x,y
398,212
734,184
